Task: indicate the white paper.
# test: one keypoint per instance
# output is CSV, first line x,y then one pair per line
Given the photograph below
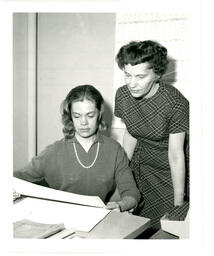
x,y
77,217
176,227
29,189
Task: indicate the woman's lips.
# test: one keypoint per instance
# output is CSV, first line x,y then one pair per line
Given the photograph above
x,y
132,91
84,129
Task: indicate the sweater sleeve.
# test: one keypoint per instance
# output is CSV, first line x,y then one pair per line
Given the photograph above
x,y
124,177
34,170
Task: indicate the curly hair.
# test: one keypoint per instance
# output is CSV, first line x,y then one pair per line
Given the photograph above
x,y
79,93
137,52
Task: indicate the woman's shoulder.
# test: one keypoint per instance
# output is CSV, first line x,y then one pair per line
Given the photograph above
x,y
123,95
173,94
122,90
110,142
55,146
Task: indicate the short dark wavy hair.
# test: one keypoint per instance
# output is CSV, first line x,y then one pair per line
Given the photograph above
x,y
137,52
79,93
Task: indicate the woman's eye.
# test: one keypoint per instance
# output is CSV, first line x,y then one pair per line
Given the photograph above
x,y
91,116
76,116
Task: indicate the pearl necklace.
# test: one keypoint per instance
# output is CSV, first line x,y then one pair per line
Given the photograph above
x,y
87,167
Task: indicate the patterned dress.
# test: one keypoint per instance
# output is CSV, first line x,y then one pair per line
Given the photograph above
x,y
151,121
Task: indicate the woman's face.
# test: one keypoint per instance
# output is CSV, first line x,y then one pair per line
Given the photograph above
x,y
85,117
139,79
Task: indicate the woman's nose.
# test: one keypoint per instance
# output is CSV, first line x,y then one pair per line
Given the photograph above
x,y
84,120
132,82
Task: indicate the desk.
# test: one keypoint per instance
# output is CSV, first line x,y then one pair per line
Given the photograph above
x,y
161,234
119,225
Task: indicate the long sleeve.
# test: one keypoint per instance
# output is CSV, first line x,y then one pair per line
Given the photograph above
x,y
125,181
33,171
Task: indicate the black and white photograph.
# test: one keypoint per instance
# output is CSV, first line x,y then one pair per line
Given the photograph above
x,y
105,154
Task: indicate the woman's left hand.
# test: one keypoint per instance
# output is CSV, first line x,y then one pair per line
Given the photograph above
x,y
178,199
113,206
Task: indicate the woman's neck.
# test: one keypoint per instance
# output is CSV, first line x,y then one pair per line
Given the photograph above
x,y
86,143
153,90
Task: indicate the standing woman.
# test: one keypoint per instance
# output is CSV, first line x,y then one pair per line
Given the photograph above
x,y
85,161
156,116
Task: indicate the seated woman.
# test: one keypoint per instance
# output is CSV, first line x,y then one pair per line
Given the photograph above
x,y
85,161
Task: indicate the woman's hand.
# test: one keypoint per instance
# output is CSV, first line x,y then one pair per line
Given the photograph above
x,y
132,210
128,203
113,206
178,199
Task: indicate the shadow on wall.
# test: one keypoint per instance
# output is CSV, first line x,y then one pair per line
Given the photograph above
x,y
170,76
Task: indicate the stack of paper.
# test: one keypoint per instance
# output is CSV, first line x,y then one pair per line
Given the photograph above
x,y
29,229
77,217
76,212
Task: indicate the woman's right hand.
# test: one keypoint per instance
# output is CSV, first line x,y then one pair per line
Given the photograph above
x,y
113,206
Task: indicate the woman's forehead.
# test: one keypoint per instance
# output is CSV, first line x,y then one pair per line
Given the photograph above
x,y
137,69
83,105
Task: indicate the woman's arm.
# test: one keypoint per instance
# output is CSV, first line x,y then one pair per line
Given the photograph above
x,y
177,165
129,144
30,172
33,171
128,191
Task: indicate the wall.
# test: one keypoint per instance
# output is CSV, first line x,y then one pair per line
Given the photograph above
x,y
172,31
24,88
73,49
78,48
20,92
